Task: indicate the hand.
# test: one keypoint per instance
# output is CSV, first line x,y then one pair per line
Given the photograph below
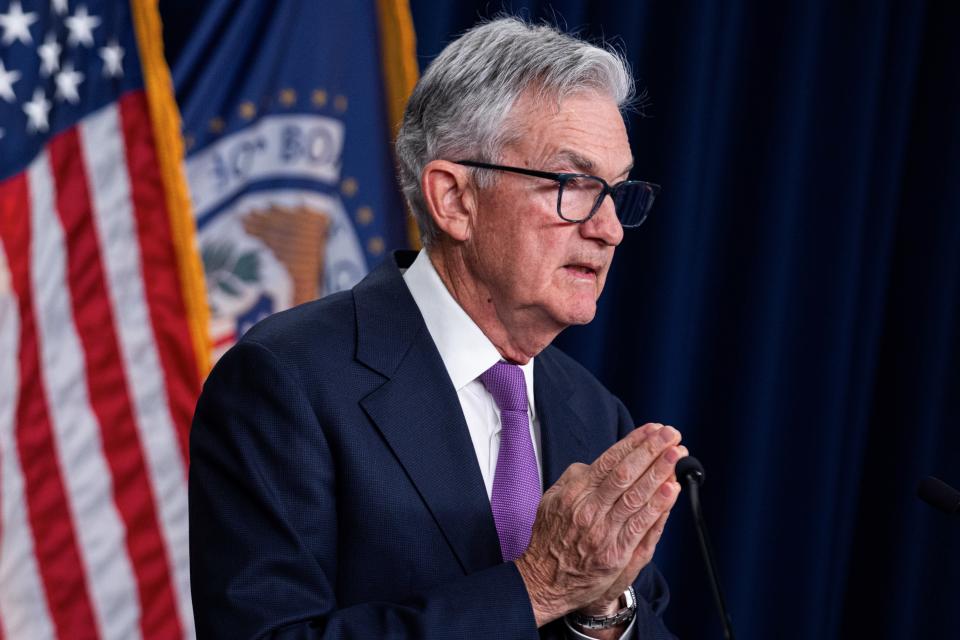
x,y
598,525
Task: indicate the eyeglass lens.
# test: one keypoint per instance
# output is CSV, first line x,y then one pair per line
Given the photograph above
x,y
579,196
633,201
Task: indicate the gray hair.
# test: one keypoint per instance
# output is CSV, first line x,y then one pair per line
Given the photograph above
x,y
460,106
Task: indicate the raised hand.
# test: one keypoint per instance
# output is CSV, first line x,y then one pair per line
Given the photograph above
x,y
598,525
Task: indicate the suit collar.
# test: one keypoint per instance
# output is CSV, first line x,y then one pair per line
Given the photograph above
x,y
387,317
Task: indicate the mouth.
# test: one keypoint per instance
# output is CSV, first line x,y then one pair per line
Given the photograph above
x,y
582,270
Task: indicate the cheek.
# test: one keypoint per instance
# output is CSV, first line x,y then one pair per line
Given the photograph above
x,y
523,265
523,242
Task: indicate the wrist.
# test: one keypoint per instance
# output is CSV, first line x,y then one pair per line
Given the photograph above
x,y
540,600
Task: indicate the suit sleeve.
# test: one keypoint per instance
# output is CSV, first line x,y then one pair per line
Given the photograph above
x,y
653,595
259,461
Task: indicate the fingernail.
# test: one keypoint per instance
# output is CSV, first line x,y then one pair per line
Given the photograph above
x,y
672,455
666,489
667,434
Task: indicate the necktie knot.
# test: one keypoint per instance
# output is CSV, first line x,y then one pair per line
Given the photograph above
x,y
505,383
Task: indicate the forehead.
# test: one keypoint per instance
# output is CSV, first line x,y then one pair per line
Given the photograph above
x,y
584,132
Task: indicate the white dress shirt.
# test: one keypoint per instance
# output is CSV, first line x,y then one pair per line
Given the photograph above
x,y
466,353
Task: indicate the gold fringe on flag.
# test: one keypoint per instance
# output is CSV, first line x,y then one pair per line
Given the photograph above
x,y
398,52
166,129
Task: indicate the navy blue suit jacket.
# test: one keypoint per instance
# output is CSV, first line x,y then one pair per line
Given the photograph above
x,y
335,491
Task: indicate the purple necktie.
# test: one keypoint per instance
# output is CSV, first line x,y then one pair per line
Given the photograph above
x,y
516,483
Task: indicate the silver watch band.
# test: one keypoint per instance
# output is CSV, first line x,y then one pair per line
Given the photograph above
x,y
605,622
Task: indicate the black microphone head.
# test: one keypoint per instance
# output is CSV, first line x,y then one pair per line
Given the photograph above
x,y
689,468
937,493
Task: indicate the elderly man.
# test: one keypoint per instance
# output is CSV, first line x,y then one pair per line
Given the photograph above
x,y
372,465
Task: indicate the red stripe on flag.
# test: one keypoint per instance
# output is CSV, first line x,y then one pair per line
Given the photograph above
x,y
55,541
109,395
164,296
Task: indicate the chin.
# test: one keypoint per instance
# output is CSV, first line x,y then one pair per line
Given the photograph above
x,y
579,314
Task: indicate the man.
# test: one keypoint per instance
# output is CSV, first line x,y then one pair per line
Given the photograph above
x,y
370,465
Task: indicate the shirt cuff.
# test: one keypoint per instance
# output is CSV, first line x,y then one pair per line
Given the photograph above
x,y
573,634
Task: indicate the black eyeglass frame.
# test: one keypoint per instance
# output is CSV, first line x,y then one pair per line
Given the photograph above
x,y
563,178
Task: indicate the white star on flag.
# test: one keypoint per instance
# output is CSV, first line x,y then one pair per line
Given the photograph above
x,y
7,78
16,24
49,53
59,6
112,55
81,26
67,82
37,111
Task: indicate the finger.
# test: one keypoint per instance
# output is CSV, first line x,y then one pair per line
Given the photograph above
x,y
636,527
684,452
640,558
610,458
634,465
585,507
644,489
644,551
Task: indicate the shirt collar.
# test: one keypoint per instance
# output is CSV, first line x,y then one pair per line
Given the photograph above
x,y
465,350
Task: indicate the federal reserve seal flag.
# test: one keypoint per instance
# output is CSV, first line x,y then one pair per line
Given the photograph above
x,y
288,117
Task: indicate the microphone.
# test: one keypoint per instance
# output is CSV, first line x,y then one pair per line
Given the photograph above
x,y
690,472
936,493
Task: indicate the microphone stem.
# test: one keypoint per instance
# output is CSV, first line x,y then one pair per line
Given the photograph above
x,y
707,552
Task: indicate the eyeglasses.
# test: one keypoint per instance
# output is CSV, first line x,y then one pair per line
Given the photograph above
x,y
580,195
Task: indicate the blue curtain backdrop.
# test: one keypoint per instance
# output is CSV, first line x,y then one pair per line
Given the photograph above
x,y
793,302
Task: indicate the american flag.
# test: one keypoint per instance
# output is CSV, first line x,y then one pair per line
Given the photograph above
x,y
102,326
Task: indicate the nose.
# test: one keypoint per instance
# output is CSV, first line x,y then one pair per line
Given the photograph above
x,y
604,226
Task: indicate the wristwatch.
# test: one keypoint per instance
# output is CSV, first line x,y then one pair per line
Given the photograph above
x,y
629,601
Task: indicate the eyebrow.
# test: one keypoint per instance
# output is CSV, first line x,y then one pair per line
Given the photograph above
x,y
583,164
579,162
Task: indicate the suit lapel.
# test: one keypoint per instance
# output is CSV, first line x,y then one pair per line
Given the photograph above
x,y
419,415
562,426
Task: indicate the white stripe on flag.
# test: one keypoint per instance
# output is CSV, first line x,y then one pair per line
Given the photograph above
x,y
23,606
103,152
100,531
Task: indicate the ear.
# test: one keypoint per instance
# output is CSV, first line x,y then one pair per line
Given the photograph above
x,y
450,198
